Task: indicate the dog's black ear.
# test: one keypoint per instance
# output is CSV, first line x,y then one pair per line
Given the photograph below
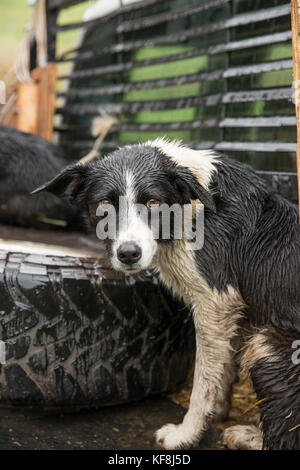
x,y
188,183
67,183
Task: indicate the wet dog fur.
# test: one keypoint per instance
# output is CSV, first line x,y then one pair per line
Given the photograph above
x,y
247,269
26,161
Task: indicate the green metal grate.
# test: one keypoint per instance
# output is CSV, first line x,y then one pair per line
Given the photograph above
x,y
215,74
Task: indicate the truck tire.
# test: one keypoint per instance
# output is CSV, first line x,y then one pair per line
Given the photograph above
x,y
77,333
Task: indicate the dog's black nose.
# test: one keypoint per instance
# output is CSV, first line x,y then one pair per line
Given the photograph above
x,y
129,253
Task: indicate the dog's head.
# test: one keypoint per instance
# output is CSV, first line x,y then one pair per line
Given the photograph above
x,y
146,176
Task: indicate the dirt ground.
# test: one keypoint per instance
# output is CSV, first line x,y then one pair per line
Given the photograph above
x,y
124,427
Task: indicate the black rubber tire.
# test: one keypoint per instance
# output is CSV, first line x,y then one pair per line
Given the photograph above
x,y
79,334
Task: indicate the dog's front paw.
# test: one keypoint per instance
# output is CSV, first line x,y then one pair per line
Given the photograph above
x,y
172,436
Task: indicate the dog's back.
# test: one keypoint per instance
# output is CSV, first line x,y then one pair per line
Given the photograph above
x,y
26,161
260,232
257,231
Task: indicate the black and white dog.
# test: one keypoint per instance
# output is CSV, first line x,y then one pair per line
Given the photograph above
x,y
248,270
26,161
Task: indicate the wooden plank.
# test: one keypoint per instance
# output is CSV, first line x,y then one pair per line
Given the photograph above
x,y
295,20
34,105
33,109
27,108
45,77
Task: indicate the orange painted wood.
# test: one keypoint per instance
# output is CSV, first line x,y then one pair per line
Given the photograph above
x,y
45,78
27,108
33,110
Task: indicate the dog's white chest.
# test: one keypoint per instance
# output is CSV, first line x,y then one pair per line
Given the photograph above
x,y
178,271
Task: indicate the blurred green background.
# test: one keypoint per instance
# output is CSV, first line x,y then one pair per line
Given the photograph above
x,y
16,16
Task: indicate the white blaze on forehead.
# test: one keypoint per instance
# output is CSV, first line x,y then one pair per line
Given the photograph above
x,y
200,162
135,229
130,190
132,223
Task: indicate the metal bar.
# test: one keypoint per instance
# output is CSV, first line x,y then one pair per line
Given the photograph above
x,y
118,68
111,145
167,126
137,24
227,146
84,109
238,20
267,94
87,109
257,146
144,85
146,22
225,81
180,80
277,173
136,106
270,66
256,41
275,65
273,121
163,126
154,20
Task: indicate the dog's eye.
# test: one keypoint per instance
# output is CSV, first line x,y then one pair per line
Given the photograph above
x,y
105,203
152,203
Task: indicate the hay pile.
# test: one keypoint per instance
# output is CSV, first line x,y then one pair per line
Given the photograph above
x,y
243,409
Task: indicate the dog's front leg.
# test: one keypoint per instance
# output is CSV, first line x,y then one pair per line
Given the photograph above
x,y
201,406
214,325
